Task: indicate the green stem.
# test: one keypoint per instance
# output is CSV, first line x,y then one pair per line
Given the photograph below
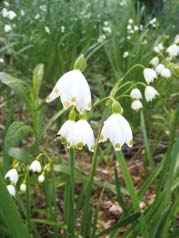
x,y
28,202
115,88
72,190
146,142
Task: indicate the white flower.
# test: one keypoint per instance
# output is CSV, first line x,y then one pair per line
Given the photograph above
x,y
47,29
5,12
11,15
149,75
22,12
107,29
11,190
135,93
117,129
125,54
136,28
41,178
158,48
37,17
73,89
1,61
35,166
81,134
131,21
7,28
65,130
62,29
101,38
136,105
172,50
23,187
129,37
12,175
150,93
166,73
129,27
154,61
159,68
141,27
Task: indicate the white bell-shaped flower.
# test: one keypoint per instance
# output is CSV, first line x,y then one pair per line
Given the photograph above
x,y
7,28
73,89
23,187
166,73
41,178
173,50
135,93
149,75
154,61
11,190
11,15
136,105
35,166
12,175
65,130
81,134
159,68
117,129
150,93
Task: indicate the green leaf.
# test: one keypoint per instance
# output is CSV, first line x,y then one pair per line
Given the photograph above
x,y
124,222
9,212
19,87
37,79
15,134
22,155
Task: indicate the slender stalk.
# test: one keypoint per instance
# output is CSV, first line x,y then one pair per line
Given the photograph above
x,y
72,190
146,142
28,202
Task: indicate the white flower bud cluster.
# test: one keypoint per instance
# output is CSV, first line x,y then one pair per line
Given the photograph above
x,y
131,28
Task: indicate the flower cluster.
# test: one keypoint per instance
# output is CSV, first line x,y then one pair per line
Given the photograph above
x,y
13,177
73,90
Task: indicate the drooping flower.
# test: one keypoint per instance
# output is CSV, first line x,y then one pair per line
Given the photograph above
x,y
11,190
150,93
5,12
159,68
23,187
35,166
166,73
41,178
65,130
12,175
149,75
154,61
173,50
136,105
135,93
117,129
11,15
81,134
7,28
73,89
125,54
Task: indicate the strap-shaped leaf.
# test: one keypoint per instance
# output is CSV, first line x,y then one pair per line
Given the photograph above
x,y
9,212
19,87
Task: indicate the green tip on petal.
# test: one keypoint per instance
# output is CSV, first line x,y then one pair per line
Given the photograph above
x,y
116,107
80,63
